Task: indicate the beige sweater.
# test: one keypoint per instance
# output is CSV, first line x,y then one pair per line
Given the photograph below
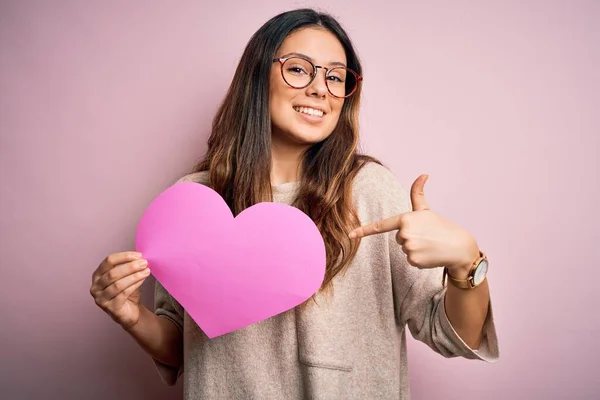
x,y
352,345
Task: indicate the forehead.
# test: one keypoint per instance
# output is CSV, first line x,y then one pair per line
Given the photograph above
x,y
319,44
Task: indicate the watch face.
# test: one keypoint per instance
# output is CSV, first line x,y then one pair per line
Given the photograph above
x,y
480,272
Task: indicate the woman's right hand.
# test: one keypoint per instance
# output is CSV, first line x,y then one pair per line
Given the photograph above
x,y
116,286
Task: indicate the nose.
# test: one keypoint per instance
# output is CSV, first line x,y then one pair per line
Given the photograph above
x,y
318,86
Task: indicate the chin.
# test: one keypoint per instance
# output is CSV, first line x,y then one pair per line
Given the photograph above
x,y
308,137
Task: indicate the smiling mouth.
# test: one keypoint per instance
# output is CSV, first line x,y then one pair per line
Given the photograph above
x,y
309,111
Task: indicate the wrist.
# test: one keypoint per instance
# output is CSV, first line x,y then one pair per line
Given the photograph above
x,y
460,272
462,269
132,326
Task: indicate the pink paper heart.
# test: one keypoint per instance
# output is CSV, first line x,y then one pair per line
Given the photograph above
x,y
228,272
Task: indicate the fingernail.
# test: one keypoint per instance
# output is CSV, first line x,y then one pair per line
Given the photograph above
x,y
146,271
143,263
352,235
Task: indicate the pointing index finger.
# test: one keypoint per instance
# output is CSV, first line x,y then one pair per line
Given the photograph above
x,y
382,226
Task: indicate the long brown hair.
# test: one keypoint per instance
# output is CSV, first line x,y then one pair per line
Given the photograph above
x,y
239,147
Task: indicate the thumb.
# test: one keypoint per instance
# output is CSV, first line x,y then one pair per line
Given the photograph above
x,y
417,194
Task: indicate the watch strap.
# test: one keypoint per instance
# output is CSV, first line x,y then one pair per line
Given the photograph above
x,y
459,283
466,283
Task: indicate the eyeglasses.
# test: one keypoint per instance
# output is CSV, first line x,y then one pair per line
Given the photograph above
x,y
299,72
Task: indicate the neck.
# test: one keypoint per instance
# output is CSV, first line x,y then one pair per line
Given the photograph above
x,y
286,162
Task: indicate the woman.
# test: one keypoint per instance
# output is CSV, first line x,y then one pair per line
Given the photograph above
x,y
287,132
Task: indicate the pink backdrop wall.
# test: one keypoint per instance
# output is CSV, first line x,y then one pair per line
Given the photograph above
x,y
104,103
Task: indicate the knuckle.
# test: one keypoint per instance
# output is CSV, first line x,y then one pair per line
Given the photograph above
x,y
111,275
377,227
119,286
111,259
96,279
124,295
100,303
102,283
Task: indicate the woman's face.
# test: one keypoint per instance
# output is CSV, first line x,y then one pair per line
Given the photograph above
x,y
305,116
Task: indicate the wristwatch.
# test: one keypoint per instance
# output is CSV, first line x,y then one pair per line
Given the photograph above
x,y
476,274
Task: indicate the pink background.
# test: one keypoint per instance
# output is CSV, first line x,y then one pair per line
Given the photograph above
x,y
104,103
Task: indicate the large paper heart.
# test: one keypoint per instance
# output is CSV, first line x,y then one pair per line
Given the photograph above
x,y
228,272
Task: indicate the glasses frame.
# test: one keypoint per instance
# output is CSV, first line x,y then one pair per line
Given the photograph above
x,y
282,61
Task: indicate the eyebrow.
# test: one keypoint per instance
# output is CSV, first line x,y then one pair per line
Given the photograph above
x,y
335,63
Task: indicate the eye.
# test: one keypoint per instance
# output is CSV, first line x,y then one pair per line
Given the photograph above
x,y
337,75
297,70
335,79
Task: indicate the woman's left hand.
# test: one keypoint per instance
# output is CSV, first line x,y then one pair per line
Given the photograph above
x,y
427,239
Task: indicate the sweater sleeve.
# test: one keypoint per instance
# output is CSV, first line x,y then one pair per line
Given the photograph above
x,y
418,293
420,306
165,306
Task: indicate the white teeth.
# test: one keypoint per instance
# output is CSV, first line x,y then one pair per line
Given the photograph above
x,y
309,111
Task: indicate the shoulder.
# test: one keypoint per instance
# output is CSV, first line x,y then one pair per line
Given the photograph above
x,y
201,177
378,192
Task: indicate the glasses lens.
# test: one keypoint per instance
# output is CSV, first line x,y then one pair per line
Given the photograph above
x,y
341,81
297,72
